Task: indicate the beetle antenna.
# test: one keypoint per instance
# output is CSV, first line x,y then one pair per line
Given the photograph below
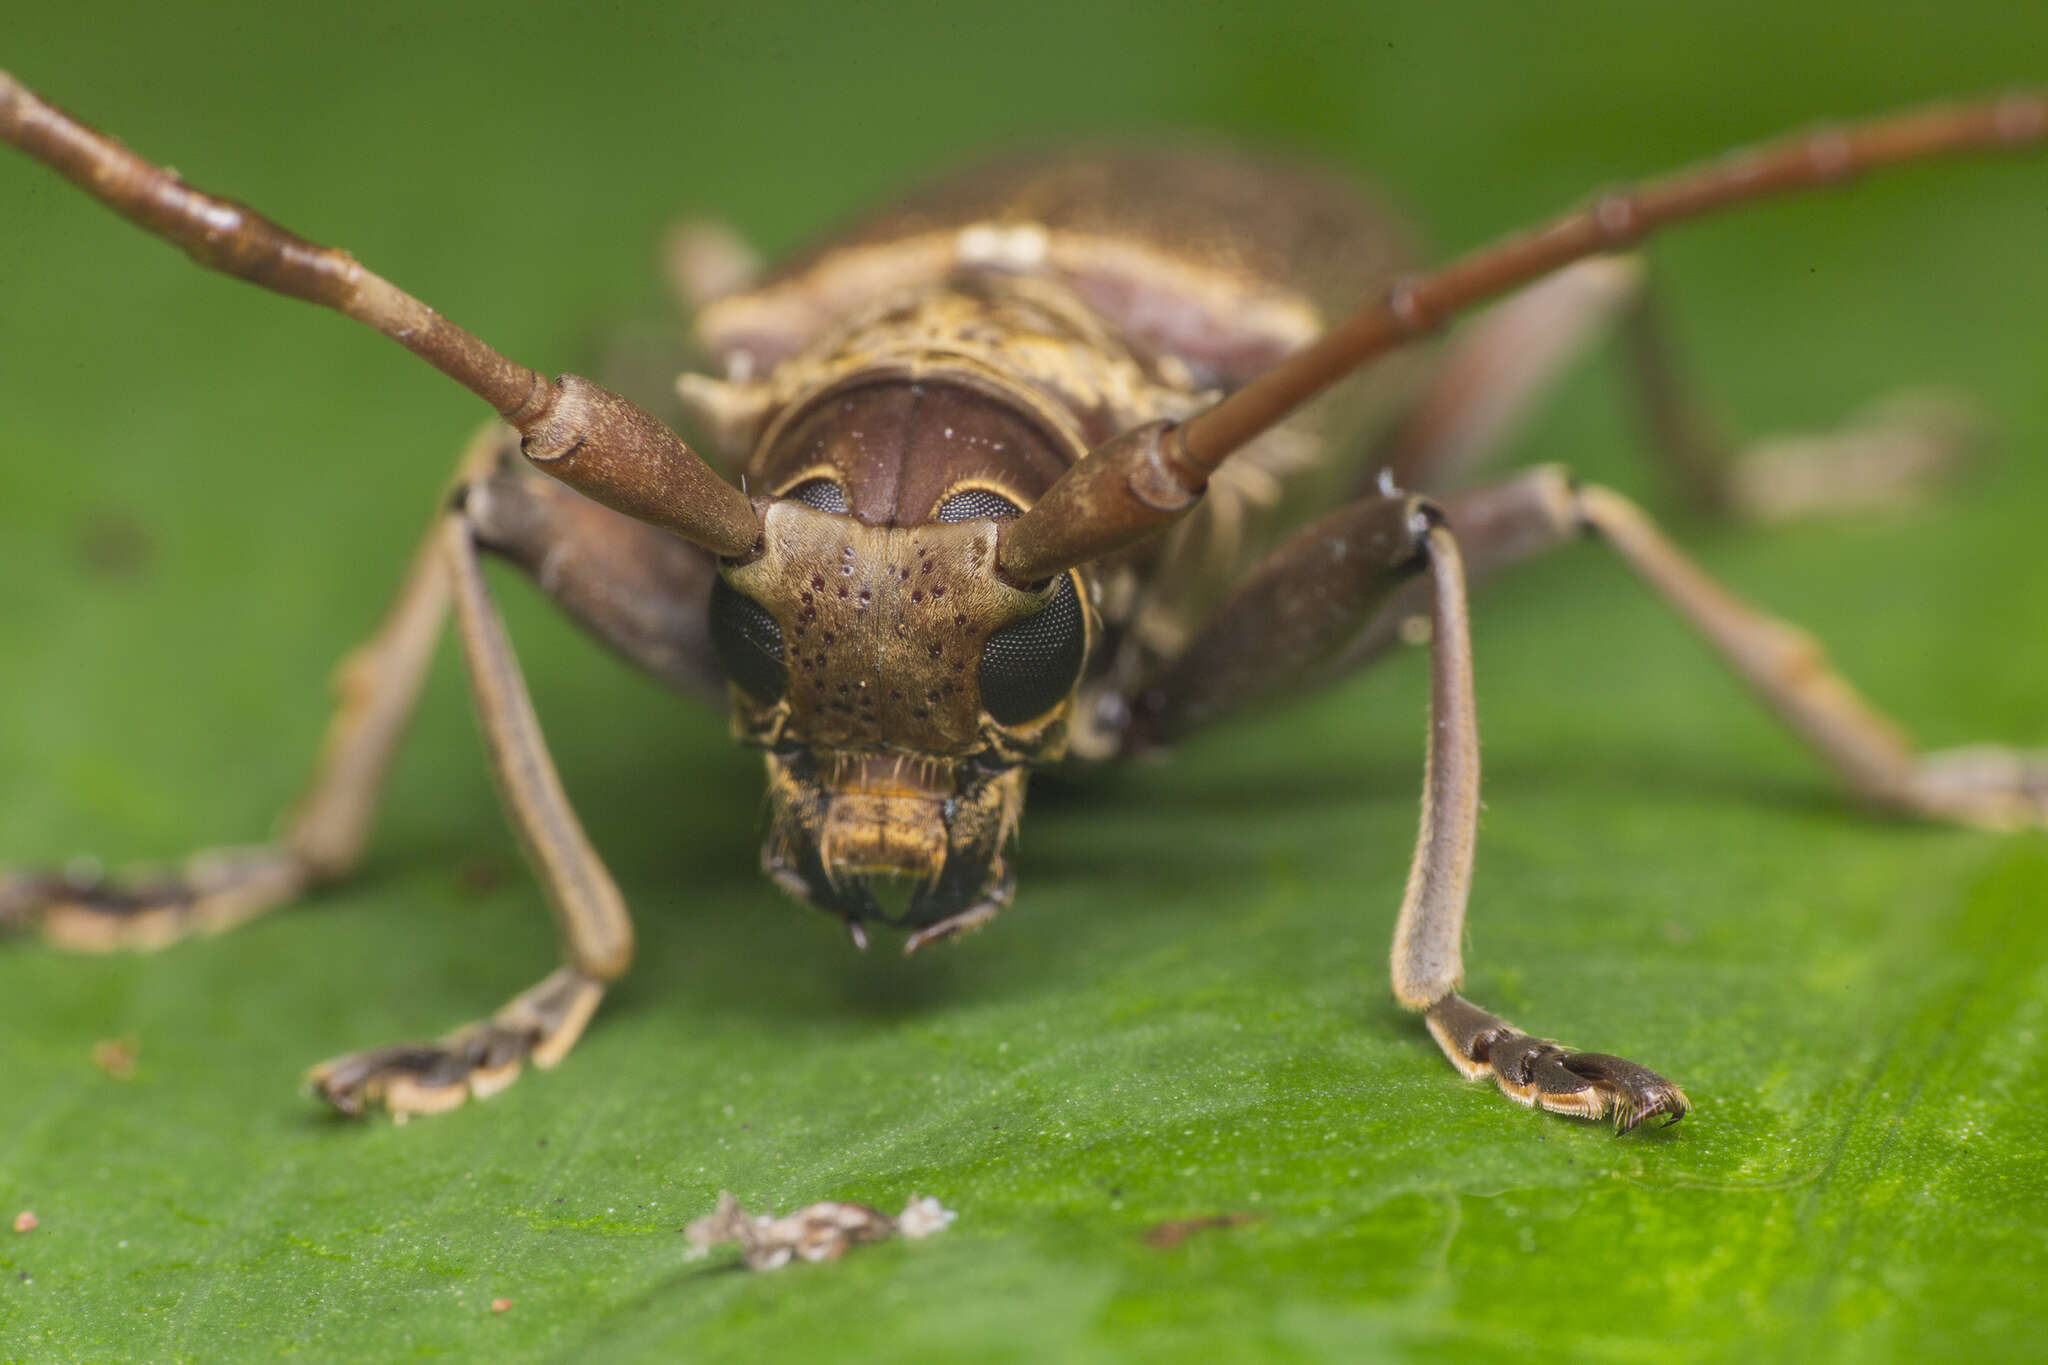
x,y
1136,483
585,435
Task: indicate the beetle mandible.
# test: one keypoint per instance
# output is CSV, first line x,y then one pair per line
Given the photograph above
x,y
1020,456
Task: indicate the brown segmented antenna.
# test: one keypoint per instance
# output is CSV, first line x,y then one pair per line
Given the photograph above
x,y
1138,482
590,438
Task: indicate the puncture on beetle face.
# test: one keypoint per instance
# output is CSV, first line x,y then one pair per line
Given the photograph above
x,y
1038,468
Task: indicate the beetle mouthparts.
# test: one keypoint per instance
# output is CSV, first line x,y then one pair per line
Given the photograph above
x,y
890,895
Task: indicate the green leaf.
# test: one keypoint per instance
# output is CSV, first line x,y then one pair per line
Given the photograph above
x,y
208,493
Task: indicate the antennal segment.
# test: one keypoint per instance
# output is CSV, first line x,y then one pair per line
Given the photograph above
x,y
1614,220
1138,482
593,439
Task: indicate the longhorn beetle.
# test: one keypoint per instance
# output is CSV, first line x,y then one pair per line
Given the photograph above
x,y
1013,462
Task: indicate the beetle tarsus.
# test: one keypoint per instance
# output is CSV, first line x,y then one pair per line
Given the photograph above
x,y
474,1062
85,910
966,922
1986,786
1541,1074
1891,456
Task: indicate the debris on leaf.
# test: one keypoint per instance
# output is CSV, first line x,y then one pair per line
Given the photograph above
x,y
922,1217
500,1305
1167,1236
816,1232
26,1221
116,1057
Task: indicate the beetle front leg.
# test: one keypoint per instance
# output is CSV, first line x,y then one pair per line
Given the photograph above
x,y
1289,618
541,1024
636,588
1428,959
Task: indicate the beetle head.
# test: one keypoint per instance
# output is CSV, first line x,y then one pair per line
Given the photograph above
x,y
900,688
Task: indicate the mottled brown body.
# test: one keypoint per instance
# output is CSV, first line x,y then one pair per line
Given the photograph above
x,y
1014,461
981,339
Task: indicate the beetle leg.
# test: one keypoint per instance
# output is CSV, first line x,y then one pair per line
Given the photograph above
x,y
541,1024
377,684
1891,453
1501,366
85,910
1539,1073
1284,622
638,589
1498,368
1428,957
704,261
1505,523
1988,786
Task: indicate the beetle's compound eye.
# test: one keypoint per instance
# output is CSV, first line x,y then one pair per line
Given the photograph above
x,y
747,641
1029,666
822,494
975,504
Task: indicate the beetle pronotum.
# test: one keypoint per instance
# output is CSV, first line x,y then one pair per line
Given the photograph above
x,y
1005,451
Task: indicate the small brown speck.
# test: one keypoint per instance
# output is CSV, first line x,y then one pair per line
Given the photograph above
x,y
113,547
26,1221
477,876
116,1057
1166,1236
500,1305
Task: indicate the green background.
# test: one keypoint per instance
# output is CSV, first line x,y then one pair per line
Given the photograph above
x,y
206,494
